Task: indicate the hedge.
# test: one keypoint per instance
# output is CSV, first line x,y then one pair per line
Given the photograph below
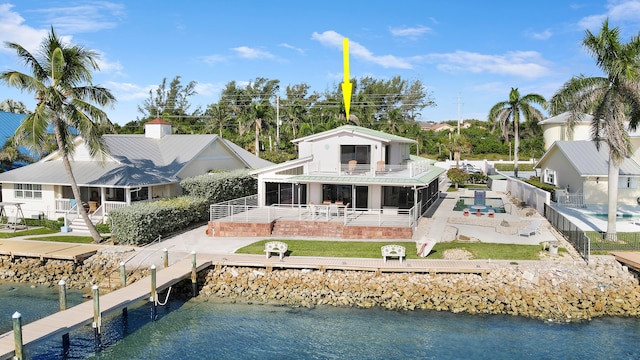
x,y
219,187
141,223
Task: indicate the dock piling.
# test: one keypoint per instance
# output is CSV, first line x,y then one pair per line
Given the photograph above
x,y
17,334
123,274
97,318
194,274
152,298
63,295
166,257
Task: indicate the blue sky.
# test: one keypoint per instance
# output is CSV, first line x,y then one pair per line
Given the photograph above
x,y
467,53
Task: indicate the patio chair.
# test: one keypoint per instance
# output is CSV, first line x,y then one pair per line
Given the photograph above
x,y
532,229
380,170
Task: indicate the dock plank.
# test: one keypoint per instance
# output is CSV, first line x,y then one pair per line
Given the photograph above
x,y
628,258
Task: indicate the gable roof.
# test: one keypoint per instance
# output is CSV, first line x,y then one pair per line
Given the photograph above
x,y
133,160
564,118
365,132
587,160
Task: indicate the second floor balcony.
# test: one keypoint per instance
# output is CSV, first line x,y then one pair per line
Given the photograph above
x,y
409,169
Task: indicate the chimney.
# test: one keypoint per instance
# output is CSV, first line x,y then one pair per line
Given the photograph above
x,y
157,128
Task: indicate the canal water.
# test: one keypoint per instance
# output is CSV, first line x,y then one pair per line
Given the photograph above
x,y
199,329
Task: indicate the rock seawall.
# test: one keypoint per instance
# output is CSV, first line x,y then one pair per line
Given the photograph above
x,y
102,269
559,291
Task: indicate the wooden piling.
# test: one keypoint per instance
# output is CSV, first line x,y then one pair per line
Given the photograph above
x,y
123,274
62,285
152,298
165,257
97,317
194,274
17,335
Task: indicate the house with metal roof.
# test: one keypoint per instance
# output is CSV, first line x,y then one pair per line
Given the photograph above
x,y
579,168
140,167
9,122
351,171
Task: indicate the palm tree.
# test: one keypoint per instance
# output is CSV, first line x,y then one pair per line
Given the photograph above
x,y
457,144
506,113
612,99
61,83
10,153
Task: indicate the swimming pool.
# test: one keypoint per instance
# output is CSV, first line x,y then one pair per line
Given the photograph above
x,y
491,203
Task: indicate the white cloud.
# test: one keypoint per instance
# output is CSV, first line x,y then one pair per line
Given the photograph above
x,y
333,39
410,32
91,17
207,89
108,66
545,35
299,50
617,12
251,53
526,64
12,29
213,59
127,91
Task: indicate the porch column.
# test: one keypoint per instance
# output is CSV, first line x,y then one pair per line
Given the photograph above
x,y
127,196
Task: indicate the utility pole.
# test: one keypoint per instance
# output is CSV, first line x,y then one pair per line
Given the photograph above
x,y
458,114
277,122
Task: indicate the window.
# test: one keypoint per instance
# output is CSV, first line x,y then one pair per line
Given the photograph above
x,y
549,176
628,183
27,191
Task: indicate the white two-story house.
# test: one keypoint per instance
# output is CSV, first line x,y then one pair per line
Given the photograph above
x,y
356,172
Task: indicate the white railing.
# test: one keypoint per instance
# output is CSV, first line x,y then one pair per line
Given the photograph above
x,y
349,216
112,205
63,205
570,199
409,169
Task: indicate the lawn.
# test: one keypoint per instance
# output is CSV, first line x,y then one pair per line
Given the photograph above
x,y
363,249
65,239
35,231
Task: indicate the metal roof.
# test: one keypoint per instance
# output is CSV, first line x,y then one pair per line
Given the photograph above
x,y
564,118
588,161
135,160
380,135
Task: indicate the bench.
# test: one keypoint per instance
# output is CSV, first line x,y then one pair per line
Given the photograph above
x,y
275,247
393,251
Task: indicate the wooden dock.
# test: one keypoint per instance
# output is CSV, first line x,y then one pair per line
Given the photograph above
x,y
628,258
358,264
73,318
47,250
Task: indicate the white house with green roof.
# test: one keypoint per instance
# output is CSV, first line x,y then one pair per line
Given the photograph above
x,y
354,168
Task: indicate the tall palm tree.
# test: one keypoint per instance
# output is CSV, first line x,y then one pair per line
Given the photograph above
x,y
457,144
506,113
60,79
10,153
612,99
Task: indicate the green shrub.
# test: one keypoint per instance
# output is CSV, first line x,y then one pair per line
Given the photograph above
x,y
219,187
537,183
142,223
509,166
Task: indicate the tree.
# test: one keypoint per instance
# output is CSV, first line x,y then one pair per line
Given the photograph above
x,y
60,79
506,113
612,99
457,144
10,153
172,103
457,176
12,106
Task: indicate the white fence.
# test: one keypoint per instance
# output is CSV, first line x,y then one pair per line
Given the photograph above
x,y
531,195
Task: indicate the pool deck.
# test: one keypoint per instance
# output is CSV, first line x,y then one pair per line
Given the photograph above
x,y
582,218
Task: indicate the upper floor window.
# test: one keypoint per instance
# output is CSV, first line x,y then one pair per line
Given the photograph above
x,y
360,153
549,176
27,191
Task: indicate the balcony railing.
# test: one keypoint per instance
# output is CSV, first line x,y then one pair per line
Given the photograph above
x,y
226,212
409,169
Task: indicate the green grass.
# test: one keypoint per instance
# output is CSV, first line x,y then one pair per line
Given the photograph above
x,y
362,249
65,239
36,231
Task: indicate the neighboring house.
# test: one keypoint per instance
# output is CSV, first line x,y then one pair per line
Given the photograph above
x,y
362,171
9,122
578,167
137,168
442,127
557,128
